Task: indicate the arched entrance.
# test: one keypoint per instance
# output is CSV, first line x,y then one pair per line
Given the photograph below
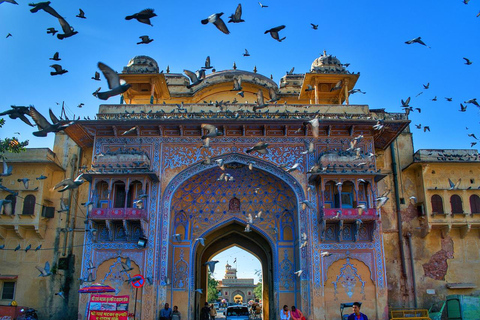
x,y
200,205
230,234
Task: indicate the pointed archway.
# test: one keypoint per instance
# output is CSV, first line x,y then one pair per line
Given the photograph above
x,y
232,233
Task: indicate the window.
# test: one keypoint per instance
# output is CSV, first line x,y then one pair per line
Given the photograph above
x,y
133,192
437,204
9,208
8,290
456,203
119,195
226,293
475,203
29,205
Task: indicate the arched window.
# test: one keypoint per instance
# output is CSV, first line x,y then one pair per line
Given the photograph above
x,y
330,196
475,203
119,194
29,205
101,193
456,203
348,195
133,192
437,204
9,208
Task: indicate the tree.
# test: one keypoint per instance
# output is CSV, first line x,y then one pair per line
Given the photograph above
x,y
259,288
212,292
11,144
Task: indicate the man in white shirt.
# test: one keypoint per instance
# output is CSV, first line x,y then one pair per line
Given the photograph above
x,y
285,313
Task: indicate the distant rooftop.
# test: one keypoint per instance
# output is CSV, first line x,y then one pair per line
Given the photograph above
x,y
446,155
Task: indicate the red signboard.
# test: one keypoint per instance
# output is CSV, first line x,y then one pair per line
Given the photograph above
x,y
107,307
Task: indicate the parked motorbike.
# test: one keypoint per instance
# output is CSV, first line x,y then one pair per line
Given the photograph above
x,y
28,314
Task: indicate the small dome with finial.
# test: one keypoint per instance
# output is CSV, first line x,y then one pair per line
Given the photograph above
x,y
141,64
327,64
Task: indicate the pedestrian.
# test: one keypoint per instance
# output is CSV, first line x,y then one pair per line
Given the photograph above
x,y
297,314
176,314
357,315
166,313
213,312
205,312
285,313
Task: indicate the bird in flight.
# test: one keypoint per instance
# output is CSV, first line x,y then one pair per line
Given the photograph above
x,y
217,21
467,61
58,70
211,265
97,76
417,40
262,5
274,33
81,14
143,16
51,31
113,83
145,40
246,54
56,57
314,26
9,1
237,16
207,63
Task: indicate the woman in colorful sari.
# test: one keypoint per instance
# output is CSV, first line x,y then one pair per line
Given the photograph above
x,y
296,314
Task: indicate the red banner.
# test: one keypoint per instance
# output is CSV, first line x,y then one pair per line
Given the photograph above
x,y
108,315
106,307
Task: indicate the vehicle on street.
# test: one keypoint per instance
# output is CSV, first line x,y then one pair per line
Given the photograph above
x,y
237,313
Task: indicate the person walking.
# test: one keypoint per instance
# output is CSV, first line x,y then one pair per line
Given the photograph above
x,y
213,312
296,314
205,312
285,313
176,314
357,315
166,313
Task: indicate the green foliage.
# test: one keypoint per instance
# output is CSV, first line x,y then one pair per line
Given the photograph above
x,y
259,288
212,292
11,144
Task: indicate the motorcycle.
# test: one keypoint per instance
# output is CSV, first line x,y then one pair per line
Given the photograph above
x,y
28,314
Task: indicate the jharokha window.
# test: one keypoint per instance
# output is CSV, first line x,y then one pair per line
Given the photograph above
x,y
456,203
29,205
437,204
474,204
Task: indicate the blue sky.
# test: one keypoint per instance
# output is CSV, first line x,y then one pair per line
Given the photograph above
x,y
369,35
246,263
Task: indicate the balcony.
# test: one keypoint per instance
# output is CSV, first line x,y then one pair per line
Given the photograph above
x,y
349,214
118,214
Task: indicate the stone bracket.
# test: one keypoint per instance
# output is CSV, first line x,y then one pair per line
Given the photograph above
x,y
126,229
446,230
110,228
40,232
20,231
465,230
426,230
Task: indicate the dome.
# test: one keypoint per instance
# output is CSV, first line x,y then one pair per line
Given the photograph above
x,y
327,64
141,64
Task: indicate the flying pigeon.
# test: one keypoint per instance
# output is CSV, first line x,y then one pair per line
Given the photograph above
x,y
68,30
97,76
9,1
196,78
51,31
145,40
298,273
309,147
58,70
143,16
127,266
325,254
9,35
315,126
212,131
314,26
211,265
273,95
45,271
467,61
199,291
262,5
81,14
18,112
201,240
56,57
131,130
260,147
177,237
24,181
45,6
207,63
454,185
417,40
260,101
426,86
44,127
237,17
246,54
355,91
113,83
217,21
307,204
61,294
69,184
472,101
274,33
337,86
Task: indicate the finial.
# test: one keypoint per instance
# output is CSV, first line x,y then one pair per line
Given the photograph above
x,y
255,69
271,76
168,69
324,53
234,66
